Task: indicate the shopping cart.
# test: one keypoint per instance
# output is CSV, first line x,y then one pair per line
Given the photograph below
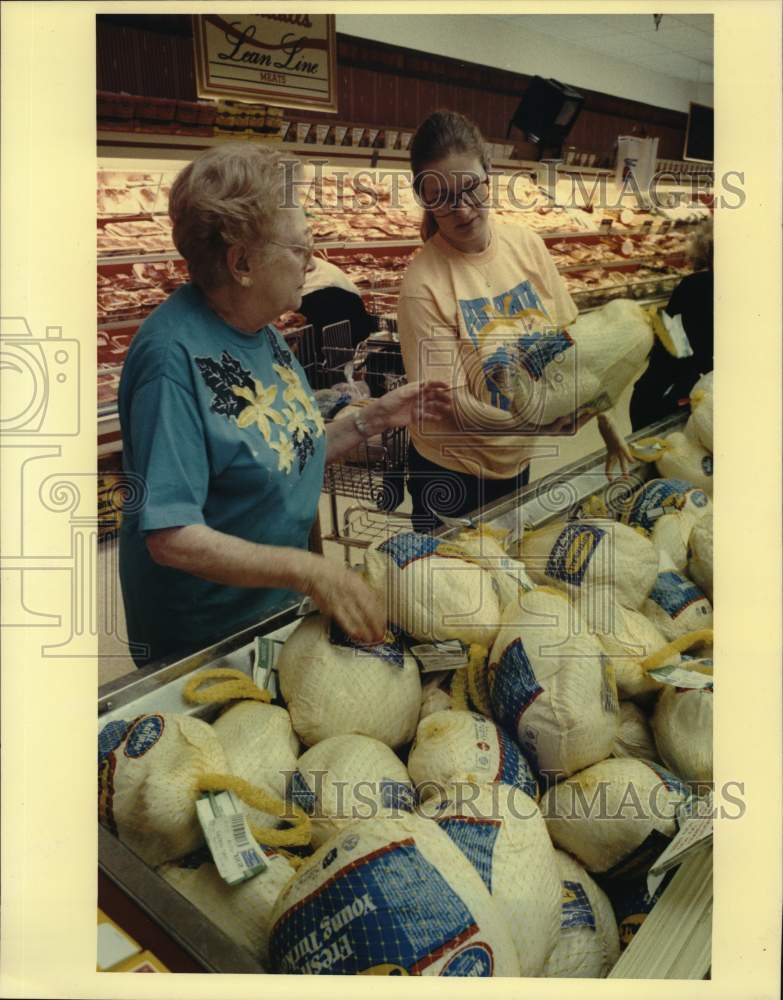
x,y
373,475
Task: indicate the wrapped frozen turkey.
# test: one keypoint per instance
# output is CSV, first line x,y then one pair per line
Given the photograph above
x,y
332,685
616,816
582,369
627,637
436,693
243,912
390,897
149,781
592,553
452,744
501,831
261,747
678,456
551,686
589,942
667,510
682,726
676,606
634,737
700,420
432,592
345,778
486,547
700,555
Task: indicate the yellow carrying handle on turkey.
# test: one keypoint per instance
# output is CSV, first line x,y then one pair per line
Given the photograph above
x,y
297,835
702,635
648,449
697,396
233,685
469,685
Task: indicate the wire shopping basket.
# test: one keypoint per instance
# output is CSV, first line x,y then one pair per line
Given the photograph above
x,y
373,475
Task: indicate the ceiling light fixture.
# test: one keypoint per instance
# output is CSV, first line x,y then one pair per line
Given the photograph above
x,y
657,18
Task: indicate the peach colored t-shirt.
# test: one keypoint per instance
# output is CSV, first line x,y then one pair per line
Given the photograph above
x,y
455,313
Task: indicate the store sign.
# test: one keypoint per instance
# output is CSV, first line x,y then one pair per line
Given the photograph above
x,y
285,59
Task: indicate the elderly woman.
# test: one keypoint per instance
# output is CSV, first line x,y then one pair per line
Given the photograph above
x,y
219,420
475,288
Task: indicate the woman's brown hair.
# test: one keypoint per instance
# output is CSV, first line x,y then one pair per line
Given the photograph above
x,y
440,135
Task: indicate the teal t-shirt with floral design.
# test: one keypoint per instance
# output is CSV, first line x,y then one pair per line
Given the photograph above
x,y
223,430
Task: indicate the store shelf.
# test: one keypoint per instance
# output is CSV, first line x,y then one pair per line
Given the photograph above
x,y
139,258
169,146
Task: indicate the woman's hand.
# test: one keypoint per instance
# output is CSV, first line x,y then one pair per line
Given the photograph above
x,y
342,594
616,448
408,405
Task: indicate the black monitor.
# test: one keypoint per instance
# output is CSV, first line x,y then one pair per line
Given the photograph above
x,y
547,111
699,136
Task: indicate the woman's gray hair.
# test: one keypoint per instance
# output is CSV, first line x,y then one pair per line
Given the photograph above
x,y
229,194
700,247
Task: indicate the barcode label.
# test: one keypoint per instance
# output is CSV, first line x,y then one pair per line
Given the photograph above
x,y
236,855
239,831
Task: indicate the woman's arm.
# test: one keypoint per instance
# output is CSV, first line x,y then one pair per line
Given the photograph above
x,y
431,350
399,408
616,448
213,555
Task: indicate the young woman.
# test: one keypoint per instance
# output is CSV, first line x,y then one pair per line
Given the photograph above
x,y
468,297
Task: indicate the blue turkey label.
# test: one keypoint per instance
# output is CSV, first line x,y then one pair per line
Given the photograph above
x,y
513,686
472,960
513,768
389,912
632,903
301,794
110,737
397,795
659,497
144,735
673,593
390,650
195,859
408,547
672,783
536,351
571,554
476,839
576,908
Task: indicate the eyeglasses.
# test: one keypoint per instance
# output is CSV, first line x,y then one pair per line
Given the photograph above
x,y
474,194
304,250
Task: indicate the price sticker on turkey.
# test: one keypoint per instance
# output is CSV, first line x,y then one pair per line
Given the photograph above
x,y
236,854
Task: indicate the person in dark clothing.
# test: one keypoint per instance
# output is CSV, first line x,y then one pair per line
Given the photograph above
x,y
452,492
666,384
330,297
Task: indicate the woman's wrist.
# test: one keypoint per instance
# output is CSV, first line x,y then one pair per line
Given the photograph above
x,y
302,568
368,421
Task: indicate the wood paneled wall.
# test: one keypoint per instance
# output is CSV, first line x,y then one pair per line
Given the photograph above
x,y
379,84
